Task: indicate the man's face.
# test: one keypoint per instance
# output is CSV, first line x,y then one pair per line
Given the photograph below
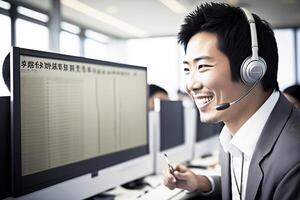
x,y
208,78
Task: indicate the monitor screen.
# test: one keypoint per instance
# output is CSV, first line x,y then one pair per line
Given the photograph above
x,y
206,130
171,124
172,135
207,141
72,116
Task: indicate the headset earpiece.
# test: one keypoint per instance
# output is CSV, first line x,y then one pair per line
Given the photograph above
x,y
253,70
254,67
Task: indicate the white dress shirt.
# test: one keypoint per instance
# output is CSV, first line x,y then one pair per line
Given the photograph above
x,y
244,141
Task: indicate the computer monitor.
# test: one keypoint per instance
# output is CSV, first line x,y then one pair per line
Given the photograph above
x,y
206,141
172,135
79,126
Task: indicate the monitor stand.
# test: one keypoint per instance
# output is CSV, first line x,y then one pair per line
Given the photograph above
x,y
102,197
135,184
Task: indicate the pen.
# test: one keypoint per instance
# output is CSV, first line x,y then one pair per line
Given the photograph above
x,y
172,170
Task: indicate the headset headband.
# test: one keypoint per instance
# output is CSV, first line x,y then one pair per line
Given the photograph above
x,y
254,43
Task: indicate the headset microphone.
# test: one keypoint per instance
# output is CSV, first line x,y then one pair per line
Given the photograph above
x,y
224,106
253,67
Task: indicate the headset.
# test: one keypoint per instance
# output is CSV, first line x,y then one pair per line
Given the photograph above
x,y
253,67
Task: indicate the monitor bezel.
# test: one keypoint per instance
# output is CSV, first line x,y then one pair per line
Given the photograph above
x,y
181,115
209,142
22,185
180,153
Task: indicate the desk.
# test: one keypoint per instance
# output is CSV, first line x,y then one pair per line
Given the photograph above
x,y
154,185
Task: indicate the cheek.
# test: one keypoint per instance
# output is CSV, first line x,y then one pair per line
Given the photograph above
x,y
187,81
222,86
214,80
220,77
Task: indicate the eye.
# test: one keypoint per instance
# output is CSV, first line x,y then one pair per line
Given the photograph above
x,y
203,67
186,70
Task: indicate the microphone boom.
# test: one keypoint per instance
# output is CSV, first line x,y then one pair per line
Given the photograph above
x,y
224,106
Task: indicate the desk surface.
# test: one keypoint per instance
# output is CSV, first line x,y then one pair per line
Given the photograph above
x,y
154,182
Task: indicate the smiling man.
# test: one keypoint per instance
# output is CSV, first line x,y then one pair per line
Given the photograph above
x,y
230,67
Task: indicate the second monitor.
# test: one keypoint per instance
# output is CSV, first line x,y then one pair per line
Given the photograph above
x,y
173,135
206,141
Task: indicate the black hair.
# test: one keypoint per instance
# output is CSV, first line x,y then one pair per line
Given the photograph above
x,y
294,91
234,38
154,89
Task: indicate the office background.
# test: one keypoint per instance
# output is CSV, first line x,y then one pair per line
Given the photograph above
x,y
138,32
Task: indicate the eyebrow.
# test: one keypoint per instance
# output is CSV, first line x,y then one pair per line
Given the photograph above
x,y
199,58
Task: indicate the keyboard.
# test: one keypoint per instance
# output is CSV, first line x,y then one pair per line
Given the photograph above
x,y
160,192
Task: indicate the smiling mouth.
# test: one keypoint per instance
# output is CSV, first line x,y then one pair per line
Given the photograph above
x,y
203,100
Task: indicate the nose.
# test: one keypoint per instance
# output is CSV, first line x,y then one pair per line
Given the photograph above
x,y
193,84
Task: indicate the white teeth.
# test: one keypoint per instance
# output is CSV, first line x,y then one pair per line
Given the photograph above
x,y
204,100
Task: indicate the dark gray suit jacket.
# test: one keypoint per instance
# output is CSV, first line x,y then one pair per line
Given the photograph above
x,y
274,171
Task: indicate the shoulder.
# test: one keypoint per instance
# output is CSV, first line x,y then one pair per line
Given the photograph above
x,y
286,117
293,124
281,166
284,153
291,131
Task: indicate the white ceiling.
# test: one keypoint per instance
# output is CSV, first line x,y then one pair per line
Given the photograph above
x,y
153,18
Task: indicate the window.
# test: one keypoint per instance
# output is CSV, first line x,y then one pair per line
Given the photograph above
x,y
4,5
286,51
33,14
31,35
95,45
95,49
160,55
5,39
70,28
69,39
69,43
5,43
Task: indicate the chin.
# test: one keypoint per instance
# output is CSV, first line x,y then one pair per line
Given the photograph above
x,y
209,118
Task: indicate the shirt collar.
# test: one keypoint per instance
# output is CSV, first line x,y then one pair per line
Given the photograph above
x,y
247,136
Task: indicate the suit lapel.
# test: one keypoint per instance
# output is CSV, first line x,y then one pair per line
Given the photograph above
x,y
254,177
269,135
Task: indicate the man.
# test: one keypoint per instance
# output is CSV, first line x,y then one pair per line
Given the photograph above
x,y
261,137
156,92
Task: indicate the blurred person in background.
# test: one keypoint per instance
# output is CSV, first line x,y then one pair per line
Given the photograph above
x,y
292,93
156,92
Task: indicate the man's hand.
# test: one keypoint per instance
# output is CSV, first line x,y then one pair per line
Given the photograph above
x,y
185,179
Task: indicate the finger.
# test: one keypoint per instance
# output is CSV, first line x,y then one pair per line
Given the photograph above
x,y
169,182
168,179
183,175
171,186
167,173
181,168
171,179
